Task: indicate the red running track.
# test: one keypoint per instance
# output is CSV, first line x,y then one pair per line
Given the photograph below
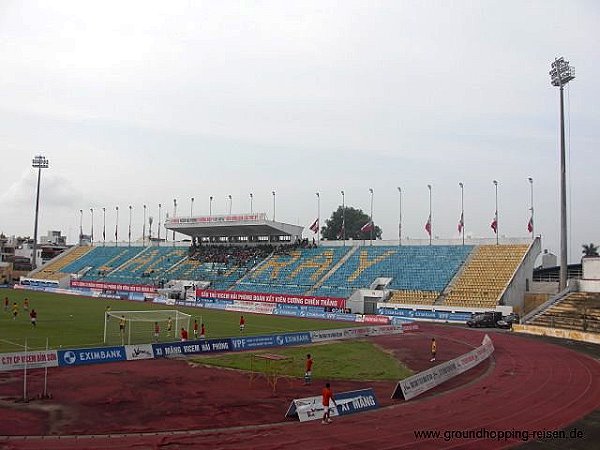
x,y
529,385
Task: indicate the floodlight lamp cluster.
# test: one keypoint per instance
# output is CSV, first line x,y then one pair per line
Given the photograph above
x,y
561,72
40,162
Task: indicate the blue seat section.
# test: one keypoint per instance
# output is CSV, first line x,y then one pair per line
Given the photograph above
x,y
423,268
221,275
292,272
102,260
149,266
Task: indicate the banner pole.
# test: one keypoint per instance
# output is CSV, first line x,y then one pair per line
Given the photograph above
x,y
25,374
45,394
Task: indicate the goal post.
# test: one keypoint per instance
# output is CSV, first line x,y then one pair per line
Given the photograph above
x,y
137,327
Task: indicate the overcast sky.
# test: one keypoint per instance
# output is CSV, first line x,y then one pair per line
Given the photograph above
x,y
145,102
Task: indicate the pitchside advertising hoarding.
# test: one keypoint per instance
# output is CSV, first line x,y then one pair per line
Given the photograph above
x,y
33,360
78,357
352,402
191,347
303,300
273,340
421,382
142,288
426,314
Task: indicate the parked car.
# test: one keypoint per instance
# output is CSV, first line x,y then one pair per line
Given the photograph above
x,y
485,320
507,321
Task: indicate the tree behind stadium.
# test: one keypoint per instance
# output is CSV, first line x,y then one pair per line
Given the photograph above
x,y
355,220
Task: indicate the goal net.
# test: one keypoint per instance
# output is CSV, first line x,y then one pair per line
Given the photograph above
x,y
139,327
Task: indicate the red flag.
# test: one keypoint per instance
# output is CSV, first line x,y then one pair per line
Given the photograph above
x,y
494,224
461,223
315,226
428,226
530,225
367,227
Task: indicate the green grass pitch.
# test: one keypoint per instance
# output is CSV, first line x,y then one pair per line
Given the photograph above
x,y
70,321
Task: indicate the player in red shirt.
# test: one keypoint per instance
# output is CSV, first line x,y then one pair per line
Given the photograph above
x,y
242,324
184,335
195,329
308,372
202,331
327,397
5,303
33,317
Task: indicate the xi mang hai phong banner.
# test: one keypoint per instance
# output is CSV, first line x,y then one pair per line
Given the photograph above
x,y
303,300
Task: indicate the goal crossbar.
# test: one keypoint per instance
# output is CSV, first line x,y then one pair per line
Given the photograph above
x,y
112,321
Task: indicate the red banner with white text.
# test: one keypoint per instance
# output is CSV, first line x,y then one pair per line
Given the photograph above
x,y
302,300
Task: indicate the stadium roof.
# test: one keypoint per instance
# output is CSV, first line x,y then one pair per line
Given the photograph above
x,y
255,224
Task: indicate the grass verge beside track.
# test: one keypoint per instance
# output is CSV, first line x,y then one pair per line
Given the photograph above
x,y
348,360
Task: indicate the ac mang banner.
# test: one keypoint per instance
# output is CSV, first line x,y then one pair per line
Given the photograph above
x,y
351,402
421,382
303,300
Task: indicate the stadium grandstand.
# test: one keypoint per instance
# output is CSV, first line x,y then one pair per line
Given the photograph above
x,y
249,253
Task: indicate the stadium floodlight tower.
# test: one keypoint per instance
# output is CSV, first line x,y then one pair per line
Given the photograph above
x,y
39,162
560,74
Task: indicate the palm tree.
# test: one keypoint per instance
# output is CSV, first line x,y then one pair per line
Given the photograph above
x,y
589,250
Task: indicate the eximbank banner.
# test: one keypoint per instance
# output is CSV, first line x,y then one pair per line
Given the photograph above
x,y
423,381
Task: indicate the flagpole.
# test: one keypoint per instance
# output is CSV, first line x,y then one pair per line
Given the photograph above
x,y
430,221
531,209
273,192
497,228
462,211
117,227
344,217
144,228
92,231
129,231
371,231
103,226
174,215
158,232
399,216
80,226
251,206
318,218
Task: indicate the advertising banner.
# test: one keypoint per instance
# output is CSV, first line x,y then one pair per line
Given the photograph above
x,y
191,347
446,316
33,360
113,286
77,357
303,300
137,352
351,402
380,320
421,382
274,340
